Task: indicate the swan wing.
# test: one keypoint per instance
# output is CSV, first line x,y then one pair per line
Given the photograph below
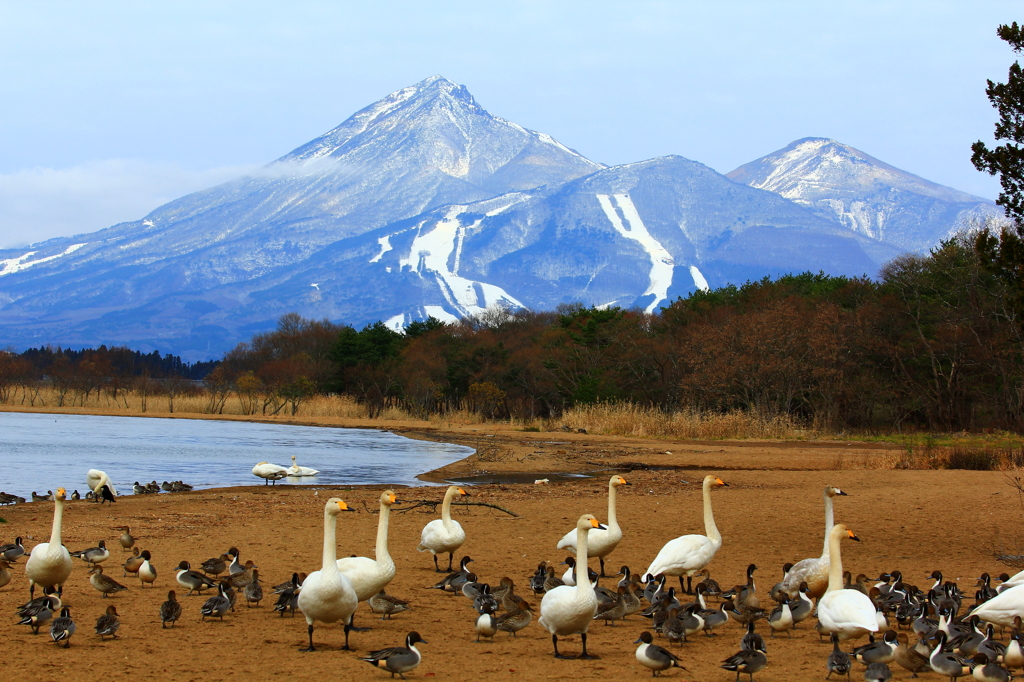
x,y
846,609
812,571
1001,609
436,538
684,554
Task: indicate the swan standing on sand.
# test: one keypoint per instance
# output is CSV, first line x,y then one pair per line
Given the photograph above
x,y
96,479
327,595
50,562
443,534
296,470
688,554
813,571
601,543
847,613
269,472
567,610
368,577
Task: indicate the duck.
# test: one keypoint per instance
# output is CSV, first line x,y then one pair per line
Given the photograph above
x,y
567,610
1013,657
218,606
193,581
108,623
370,576
62,627
486,624
5,572
253,591
269,472
40,498
126,539
13,551
946,663
170,610
296,470
690,553
877,672
517,618
444,534
747,661
147,573
387,605
802,607
602,543
94,555
883,651
848,613
910,658
235,566
75,495
814,571
38,612
839,661
398,659
654,657
50,562
215,565
133,563
96,479
104,584
781,619
327,595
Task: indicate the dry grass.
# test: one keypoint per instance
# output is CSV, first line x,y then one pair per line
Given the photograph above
x,y
1007,458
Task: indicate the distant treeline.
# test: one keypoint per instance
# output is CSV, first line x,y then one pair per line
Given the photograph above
x,y
935,343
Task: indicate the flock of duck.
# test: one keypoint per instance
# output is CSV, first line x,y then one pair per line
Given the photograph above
x,y
953,638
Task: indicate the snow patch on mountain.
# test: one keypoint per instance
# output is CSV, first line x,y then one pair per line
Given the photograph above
x,y
12,265
698,279
634,229
385,246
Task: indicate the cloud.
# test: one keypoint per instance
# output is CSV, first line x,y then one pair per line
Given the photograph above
x,y
41,203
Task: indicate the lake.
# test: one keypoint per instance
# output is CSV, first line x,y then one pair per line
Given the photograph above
x,y
45,451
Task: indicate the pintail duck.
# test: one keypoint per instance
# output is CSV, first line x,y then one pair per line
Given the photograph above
x,y
654,657
12,552
94,555
459,577
1013,657
192,580
746,661
839,661
947,663
108,623
801,607
170,610
147,573
711,586
139,489
41,498
781,618
104,584
75,495
615,610
752,640
5,572
986,669
387,605
631,598
253,591
126,539
216,607
538,578
883,651
63,627
216,565
504,587
746,614
877,672
778,592
910,658
398,660
235,567
517,618
486,624
714,618
552,581
133,563
38,612
242,578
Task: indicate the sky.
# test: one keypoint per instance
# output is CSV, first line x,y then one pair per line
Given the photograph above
x,y
112,109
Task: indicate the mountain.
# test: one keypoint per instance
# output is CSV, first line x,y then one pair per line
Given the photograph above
x,y
866,195
425,204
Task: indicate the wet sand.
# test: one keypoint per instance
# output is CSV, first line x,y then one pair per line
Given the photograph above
x,y
915,521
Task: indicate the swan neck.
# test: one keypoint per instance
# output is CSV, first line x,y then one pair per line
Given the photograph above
x,y
710,529
835,561
583,586
58,519
829,522
330,542
382,534
446,508
613,521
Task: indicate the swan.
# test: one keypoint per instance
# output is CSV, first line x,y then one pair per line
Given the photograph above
x,y
601,543
690,553
96,479
1001,608
443,535
813,571
269,472
567,610
368,577
296,470
50,562
327,595
848,613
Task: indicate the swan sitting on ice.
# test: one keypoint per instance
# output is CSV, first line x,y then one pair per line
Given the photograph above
x,y
269,472
296,470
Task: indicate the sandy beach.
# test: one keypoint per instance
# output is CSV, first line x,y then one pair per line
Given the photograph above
x,y
770,513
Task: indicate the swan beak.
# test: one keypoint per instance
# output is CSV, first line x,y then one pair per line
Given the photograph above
x,y
840,492
393,498
601,526
852,536
344,507
463,492
719,481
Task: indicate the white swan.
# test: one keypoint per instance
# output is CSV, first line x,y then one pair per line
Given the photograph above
x,y
296,470
601,543
368,577
443,534
327,595
50,562
269,472
690,553
567,610
1001,609
848,613
96,479
813,571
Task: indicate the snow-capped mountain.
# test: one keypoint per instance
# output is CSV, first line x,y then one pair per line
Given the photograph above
x,y
425,204
866,195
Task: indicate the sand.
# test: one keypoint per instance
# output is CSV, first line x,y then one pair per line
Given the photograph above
x,y
915,521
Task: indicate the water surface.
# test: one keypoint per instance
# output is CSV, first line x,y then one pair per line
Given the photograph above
x,y
45,451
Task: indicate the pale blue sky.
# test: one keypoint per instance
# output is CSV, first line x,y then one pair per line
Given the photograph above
x,y
109,109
